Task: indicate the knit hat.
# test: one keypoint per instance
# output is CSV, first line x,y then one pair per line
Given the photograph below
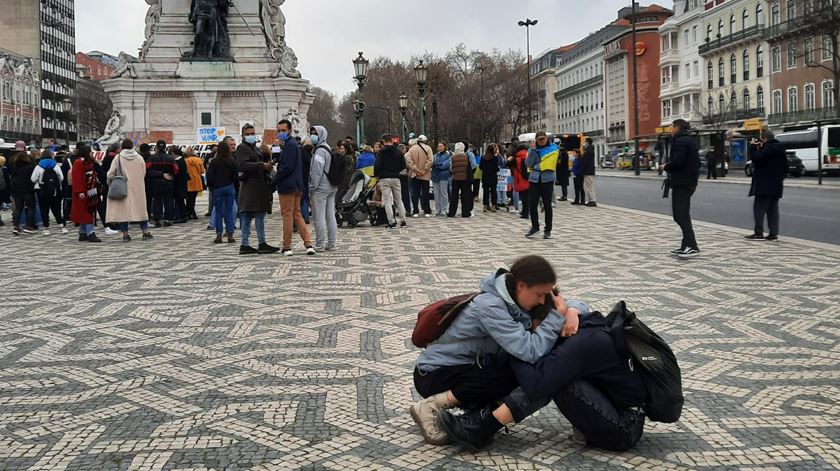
x,y
459,147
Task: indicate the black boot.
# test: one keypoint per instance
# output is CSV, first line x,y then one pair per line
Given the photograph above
x,y
472,431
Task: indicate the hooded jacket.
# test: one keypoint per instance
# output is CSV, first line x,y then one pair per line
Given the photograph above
x,y
44,166
684,167
20,174
321,160
493,325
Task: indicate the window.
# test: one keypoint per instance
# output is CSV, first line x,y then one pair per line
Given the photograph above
x,y
776,59
759,98
733,100
696,70
733,68
809,51
687,38
711,105
666,108
744,17
807,7
708,32
759,16
720,28
720,73
710,75
693,35
746,99
731,24
793,100
810,98
774,15
827,94
777,101
687,71
759,62
746,64
791,9
826,48
791,54
721,103
664,42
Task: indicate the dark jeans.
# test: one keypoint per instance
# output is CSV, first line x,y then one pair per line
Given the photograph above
x,y
590,411
712,172
536,192
565,190
470,384
681,207
476,186
191,196
420,196
491,196
181,203
405,188
523,198
163,205
461,190
769,206
24,201
50,203
580,195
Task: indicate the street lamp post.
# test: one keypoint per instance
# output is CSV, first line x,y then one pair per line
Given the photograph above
x,y
403,109
636,161
360,66
527,24
421,73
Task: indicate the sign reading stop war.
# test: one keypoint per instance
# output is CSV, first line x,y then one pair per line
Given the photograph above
x,y
210,135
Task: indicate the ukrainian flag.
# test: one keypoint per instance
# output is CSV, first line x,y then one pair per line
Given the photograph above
x,y
548,157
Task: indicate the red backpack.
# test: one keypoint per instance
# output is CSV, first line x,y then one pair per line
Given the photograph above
x,y
435,318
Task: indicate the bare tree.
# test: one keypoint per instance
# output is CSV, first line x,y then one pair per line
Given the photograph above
x,y
823,26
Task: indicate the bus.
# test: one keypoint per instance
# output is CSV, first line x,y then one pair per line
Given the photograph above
x,y
813,144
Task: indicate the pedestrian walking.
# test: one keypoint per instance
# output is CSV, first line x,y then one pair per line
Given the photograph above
x,y
770,166
684,173
419,162
132,208
85,195
390,163
441,178
222,179
542,163
254,192
588,167
195,183
48,179
161,169
711,162
461,183
289,184
489,166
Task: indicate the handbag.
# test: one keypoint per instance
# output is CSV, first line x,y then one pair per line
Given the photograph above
x,y
118,188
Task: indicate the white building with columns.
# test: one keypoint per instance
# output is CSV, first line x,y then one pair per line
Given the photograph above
x,y
681,67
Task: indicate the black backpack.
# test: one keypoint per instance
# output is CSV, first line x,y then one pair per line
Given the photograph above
x,y
659,369
50,186
340,167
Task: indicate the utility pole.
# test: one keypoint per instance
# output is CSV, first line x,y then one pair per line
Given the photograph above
x,y
637,159
527,24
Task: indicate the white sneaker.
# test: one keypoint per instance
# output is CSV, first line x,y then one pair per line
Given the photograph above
x,y
415,215
428,215
109,231
319,248
288,253
310,251
688,253
64,230
46,232
27,230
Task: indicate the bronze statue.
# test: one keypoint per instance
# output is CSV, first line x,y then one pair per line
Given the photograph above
x,y
211,29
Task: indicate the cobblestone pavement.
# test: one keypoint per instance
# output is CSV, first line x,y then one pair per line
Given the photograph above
x,y
180,355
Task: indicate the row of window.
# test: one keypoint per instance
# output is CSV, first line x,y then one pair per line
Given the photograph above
x,y
745,104
809,92
16,94
581,104
733,68
809,55
745,23
12,123
579,75
582,125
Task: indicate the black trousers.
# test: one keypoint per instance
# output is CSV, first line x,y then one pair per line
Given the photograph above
x,y
420,196
405,188
50,203
580,195
712,172
180,196
24,202
470,384
191,196
523,199
564,190
163,205
681,207
491,196
461,190
766,206
476,186
537,192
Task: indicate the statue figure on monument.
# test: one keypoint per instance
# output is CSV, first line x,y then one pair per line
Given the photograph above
x,y
126,65
113,130
287,63
152,19
273,23
211,30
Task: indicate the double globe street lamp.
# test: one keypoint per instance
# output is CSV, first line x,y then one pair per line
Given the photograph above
x,y
403,110
421,73
361,66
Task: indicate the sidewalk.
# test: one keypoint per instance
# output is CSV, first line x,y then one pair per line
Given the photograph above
x,y
734,177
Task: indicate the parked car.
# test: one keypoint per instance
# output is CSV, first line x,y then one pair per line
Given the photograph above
x,y
796,168
607,161
624,161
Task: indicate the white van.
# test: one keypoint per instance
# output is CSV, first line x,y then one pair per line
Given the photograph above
x,y
810,146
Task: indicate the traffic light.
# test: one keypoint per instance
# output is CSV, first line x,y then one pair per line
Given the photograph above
x,y
626,147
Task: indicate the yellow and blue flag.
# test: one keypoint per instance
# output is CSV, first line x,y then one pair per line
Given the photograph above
x,y
548,157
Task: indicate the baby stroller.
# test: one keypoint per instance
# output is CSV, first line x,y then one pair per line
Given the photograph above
x,y
352,204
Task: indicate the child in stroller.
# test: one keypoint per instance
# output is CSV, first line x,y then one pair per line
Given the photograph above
x,y
352,203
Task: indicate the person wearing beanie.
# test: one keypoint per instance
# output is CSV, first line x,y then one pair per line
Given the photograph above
x,y
162,170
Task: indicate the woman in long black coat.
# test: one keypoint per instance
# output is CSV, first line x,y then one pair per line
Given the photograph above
x,y
563,174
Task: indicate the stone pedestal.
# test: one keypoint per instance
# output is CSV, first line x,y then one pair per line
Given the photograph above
x,y
166,91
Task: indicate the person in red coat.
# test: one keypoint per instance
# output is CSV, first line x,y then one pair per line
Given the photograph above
x,y
85,195
516,164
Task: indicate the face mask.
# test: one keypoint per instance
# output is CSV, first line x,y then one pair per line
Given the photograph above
x,y
283,136
314,139
251,139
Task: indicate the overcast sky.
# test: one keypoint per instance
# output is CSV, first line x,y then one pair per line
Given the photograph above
x,y
393,28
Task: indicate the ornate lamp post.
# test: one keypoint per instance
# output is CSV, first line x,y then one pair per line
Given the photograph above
x,y
360,65
527,24
421,73
403,109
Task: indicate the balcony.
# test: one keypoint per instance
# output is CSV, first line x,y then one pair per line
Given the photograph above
x,y
812,21
671,56
734,38
572,90
804,116
733,115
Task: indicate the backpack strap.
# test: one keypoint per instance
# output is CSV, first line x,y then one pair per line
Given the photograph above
x,y
618,318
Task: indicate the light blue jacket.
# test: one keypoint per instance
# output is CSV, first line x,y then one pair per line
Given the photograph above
x,y
536,176
492,324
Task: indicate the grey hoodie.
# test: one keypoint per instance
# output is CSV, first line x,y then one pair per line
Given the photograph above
x,y
492,324
318,181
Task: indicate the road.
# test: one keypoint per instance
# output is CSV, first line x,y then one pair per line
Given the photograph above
x,y
812,214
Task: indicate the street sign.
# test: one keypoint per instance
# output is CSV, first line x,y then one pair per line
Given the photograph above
x,y
753,124
210,135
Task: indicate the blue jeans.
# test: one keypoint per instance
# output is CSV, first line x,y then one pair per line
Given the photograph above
x,y
86,229
304,204
259,223
144,226
224,199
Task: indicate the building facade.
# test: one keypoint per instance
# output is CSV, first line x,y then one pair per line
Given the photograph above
x,y
20,111
45,31
619,80
735,56
799,37
680,63
94,68
544,86
580,85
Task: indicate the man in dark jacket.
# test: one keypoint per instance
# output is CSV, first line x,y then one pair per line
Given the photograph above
x,y
161,171
22,189
587,163
254,193
289,184
180,185
770,166
390,162
592,384
684,172
711,161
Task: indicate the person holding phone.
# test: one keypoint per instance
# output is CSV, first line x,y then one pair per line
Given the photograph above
x,y
469,365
